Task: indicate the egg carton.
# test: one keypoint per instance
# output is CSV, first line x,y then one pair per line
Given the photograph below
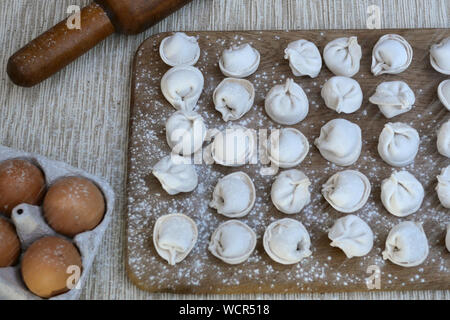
x,y
31,226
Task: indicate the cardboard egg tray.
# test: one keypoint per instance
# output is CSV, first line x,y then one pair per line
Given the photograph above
x,y
31,226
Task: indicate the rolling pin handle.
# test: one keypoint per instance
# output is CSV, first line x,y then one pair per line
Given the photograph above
x,y
59,46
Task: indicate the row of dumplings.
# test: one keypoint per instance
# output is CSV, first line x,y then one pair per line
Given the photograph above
x,y
286,241
392,54
347,191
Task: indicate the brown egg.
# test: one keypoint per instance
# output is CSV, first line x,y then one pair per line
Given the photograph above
x,y
73,205
9,244
45,266
20,182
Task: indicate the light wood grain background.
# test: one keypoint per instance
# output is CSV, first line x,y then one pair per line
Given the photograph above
x,y
80,116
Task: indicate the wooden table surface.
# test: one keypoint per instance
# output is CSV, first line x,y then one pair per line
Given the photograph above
x,y
80,116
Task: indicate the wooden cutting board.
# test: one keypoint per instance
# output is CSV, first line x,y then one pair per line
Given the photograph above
x,y
327,269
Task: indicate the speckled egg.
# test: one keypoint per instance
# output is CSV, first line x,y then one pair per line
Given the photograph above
x,y
20,182
9,244
48,266
73,205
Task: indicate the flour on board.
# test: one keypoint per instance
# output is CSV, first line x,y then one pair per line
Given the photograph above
x,y
327,267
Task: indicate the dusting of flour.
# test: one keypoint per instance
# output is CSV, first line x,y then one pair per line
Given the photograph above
x,y
326,269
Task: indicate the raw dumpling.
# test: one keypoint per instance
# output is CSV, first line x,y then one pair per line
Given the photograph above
x,y
179,49
174,236
402,194
185,132
340,142
391,54
182,86
287,104
443,187
406,244
233,242
444,93
440,56
233,98
393,98
290,191
352,235
347,191
443,139
343,56
233,147
447,238
234,195
176,174
286,241
239,61
398,144
304,58
342,94
287,147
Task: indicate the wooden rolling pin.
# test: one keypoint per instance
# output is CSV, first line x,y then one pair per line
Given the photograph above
x,y
59,46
